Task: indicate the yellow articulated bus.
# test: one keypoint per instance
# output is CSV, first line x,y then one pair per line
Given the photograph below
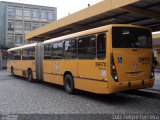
x,y
102,60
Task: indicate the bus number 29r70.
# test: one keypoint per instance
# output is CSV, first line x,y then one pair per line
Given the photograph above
x,y
100,64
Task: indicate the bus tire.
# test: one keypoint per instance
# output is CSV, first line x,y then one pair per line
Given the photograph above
x,y
30,76
69,84
12,71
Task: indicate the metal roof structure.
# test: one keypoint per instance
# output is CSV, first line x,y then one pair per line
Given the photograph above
x,y
138,12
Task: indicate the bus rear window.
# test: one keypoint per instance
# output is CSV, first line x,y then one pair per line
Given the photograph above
x,y
126,37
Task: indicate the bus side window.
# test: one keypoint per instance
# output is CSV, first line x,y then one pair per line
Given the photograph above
x,y
57,50
25,54
87,47
70,49
17,55
31,54
101,46
48,51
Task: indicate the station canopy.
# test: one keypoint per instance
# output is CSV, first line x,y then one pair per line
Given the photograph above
x,y
138,12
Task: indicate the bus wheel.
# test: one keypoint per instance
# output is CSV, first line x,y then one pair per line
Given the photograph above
x,y
12,71
30,76
69,84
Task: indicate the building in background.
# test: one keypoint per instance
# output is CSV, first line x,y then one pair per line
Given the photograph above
x,y
17,19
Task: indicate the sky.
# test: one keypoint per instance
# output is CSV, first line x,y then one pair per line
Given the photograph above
x,y
63,6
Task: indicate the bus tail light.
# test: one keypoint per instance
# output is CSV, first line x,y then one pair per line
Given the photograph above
x,y
113,69
152,67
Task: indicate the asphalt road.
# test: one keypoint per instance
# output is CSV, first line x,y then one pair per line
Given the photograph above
x,y
18,96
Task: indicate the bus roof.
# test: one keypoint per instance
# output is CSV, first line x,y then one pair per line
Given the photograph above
x,y
82,33
24,46
91,31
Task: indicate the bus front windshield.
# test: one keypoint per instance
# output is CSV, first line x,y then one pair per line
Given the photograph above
x,y
128,37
